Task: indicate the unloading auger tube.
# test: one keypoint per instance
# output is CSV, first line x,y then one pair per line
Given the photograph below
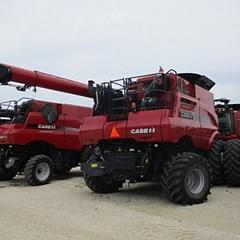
x,y
32,78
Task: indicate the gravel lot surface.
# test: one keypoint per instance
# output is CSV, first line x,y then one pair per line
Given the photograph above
x,y
67,209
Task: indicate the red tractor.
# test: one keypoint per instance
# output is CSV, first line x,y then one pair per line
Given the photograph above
x,y
36,137
156,127
225,154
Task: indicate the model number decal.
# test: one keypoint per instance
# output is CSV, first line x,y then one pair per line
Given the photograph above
x,y
142,130
187,115
46,126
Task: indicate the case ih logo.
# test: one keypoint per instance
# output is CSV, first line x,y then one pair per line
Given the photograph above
x,y
142,130
46,126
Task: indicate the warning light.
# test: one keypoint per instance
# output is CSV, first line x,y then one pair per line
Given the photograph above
x,y
114,133
161,70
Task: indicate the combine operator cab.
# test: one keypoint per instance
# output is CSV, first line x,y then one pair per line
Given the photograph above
x,y
146,92
154,127
228,117
140,93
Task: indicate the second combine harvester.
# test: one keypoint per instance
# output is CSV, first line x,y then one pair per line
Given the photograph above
x,y
36,137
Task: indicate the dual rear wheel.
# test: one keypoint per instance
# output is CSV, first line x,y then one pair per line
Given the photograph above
x,y
224,159
215,158
231,162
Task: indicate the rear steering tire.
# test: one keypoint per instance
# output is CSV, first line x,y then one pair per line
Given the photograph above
x,y
186,178
99,184
39,170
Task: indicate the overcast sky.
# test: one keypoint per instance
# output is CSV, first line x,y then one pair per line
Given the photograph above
x,y
103,40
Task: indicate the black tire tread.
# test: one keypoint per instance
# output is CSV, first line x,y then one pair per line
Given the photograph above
x,y
86,154
231,162
98,185
215,163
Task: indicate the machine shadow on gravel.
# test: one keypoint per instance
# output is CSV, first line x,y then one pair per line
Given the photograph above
x,y
151,190
65,176
19,180
135,192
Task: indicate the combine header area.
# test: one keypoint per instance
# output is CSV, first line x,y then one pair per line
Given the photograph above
x,y
36,137
225,154
156,127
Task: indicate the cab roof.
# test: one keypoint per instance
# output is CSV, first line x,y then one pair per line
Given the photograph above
x,y
198,79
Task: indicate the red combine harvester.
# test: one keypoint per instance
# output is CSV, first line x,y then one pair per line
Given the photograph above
x,y
156,127
36,137
225,154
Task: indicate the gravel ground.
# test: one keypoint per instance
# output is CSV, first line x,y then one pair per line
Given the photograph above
x,y
67,209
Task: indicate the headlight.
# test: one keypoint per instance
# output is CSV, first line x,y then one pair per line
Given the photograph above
x,y
3,137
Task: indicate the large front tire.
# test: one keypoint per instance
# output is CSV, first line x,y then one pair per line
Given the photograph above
x,y
186,178
231,162
39,170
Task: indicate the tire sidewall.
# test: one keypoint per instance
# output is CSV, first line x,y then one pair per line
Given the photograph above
x,y
203,167
50,165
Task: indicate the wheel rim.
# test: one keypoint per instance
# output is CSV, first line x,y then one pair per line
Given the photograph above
x,y
42,171
195,180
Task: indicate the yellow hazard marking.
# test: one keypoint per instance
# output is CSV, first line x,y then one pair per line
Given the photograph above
x,y
93,165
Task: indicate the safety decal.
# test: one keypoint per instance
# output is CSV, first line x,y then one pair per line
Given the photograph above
x,y
114,133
